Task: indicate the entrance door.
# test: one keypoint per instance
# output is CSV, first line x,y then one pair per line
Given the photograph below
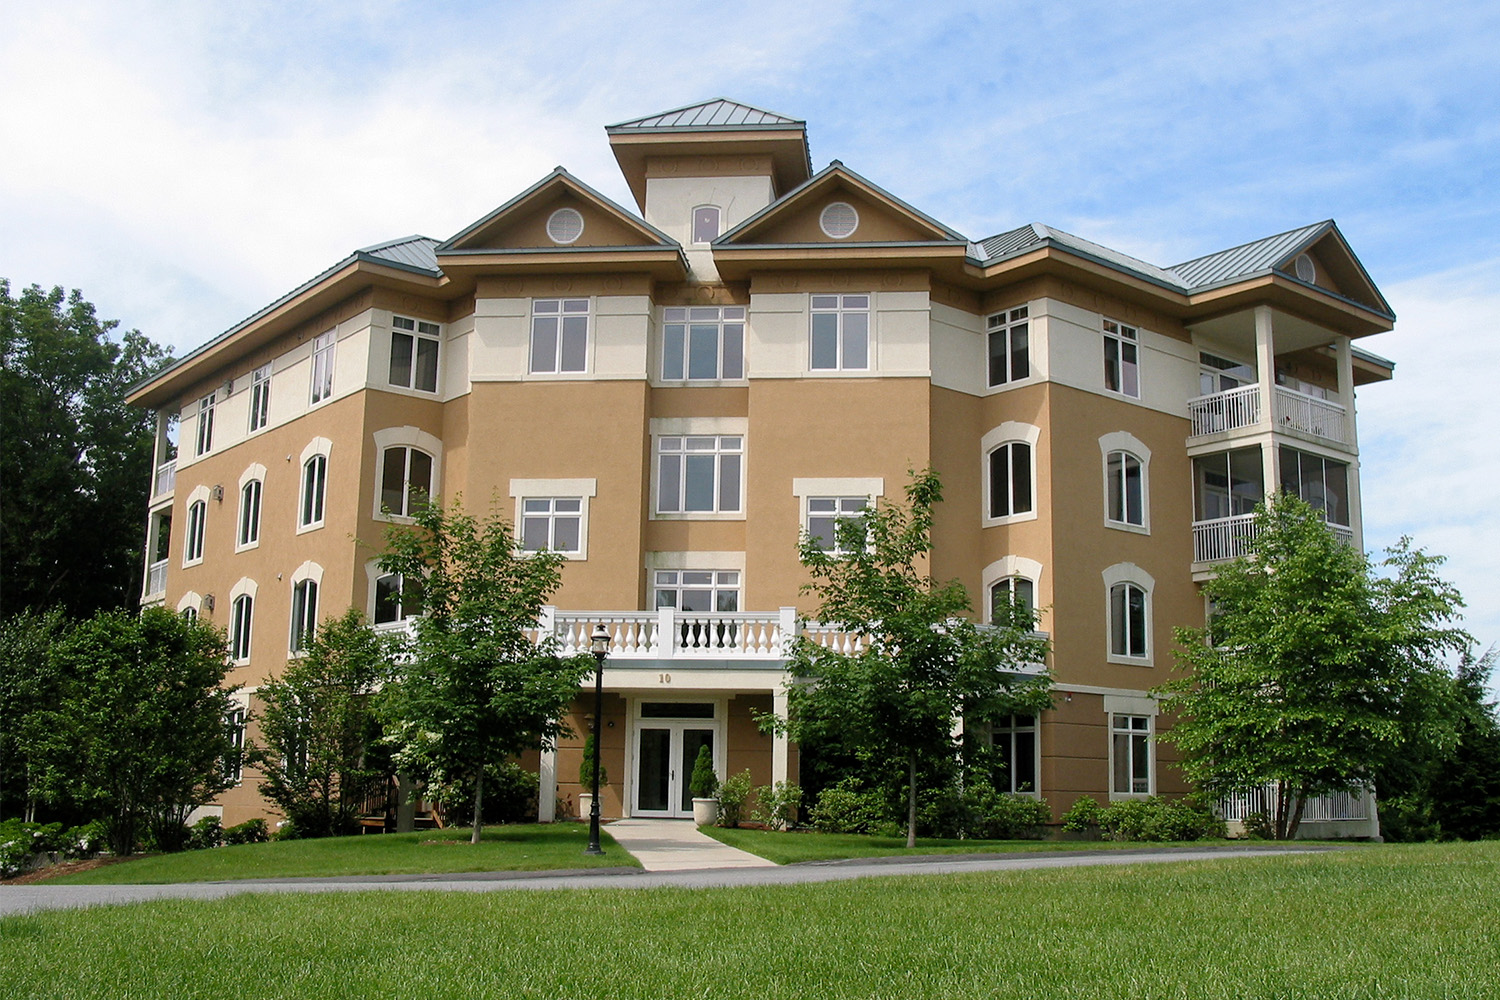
x,y
664,757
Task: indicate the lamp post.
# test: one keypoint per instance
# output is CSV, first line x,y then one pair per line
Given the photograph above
x,y
599,646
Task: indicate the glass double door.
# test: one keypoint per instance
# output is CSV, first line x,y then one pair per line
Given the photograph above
x,y
664,756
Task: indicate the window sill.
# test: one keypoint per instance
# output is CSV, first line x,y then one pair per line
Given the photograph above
x,y
699,515
1131,661
190,563
1018,383
303,529
247,547
996,522
841,372
1129,796
1135,529
699,383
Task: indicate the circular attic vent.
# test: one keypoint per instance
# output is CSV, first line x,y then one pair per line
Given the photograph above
x,y
839,220
1304,268
565,225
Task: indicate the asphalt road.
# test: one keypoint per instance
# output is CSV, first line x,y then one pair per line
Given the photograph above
x,y
16,899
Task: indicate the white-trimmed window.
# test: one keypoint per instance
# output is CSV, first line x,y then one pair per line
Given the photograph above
x,y
414,353
552,524
703,343
192,544
260,397
304,614
840,334
1126,497
1010,346
822,516
188,606
1129,621
1122,372
1014,738
1010,480
322,366
559,335
405,472
389,607
249,526
234,763
314,491
1011,590
241,616
1322,482
700,473
205,439
706,221
1130,754
697,590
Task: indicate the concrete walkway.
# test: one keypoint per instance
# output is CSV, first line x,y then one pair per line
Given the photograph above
x,y
676,845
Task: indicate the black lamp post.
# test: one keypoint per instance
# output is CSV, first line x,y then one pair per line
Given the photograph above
x,y
599,646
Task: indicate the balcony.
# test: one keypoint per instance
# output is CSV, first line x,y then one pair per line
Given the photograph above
x,y
1230,537
156,581
165,480
1240,409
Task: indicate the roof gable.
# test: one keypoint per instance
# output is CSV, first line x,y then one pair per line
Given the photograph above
x,y
521,223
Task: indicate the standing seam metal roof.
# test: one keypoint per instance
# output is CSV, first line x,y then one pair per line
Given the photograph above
x,y
717,114
1248,258
413,251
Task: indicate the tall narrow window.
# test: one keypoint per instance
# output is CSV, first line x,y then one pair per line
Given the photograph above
x,y
552,523
1010,480
234,761
1011,596
260,397
1014,740
240,616
1121,359
322,366
314,487
414,353
249,514
304,614
826,514
705,224
1127,621
559,335
840,337
699,474
388,601
1130,748
205,441
1127,494
406,473
703,342
192,547
1010,350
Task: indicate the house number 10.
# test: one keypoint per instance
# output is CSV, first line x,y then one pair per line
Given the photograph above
x,y
664,678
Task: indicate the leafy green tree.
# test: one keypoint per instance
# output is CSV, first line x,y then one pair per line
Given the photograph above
x,y
921,663
1318,668
139,733
75,460
28,684
479,689
319,751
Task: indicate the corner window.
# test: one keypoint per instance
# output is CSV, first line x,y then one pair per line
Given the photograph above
x,y
1010,480
322,366
1013,592
1010,352
249,533
705,224
1227,484
205,440
698,590
314,487
1126,499
414,354
304,614
1014,740
1130,753
260,397
840,336
1321,482
699,474
389,608
553,524
405,473
823,516
703,342
1128,621
1121,359
192,548
559,335
240,617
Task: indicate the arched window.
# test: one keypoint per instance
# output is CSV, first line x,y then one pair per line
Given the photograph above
x,y
314,490
1012,591
249,533
1127,488
192,548
1128,621
406,473
304,614
241,614
1010,480
705,223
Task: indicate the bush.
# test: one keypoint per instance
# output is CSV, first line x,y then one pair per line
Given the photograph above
x,y
166,837
992,815
84,841
21,841
585,766
704,782
510,796
252,831
733,793
844,808
207,832
1083,816
776,807
1153,819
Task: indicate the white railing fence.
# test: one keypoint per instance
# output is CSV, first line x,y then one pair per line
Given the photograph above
x,y
1223,537
156,578
166,479
1311,415
1225,411
1334,807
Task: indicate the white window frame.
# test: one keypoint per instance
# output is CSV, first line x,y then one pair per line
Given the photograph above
x,y
203,431
1129,574
582,490
1006,325
408,437
678,321
840,310
1117,338
260,397
1010,432
318,449
1006,569
664,431
559,309
190,605
195,537
375,575
1009,730
241,620
243,539
322,366
717,584
1121,714
236,720
307,580
693,224
1123,442
419,332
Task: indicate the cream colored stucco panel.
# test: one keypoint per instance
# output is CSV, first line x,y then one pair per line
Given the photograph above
x,y
622,336
1075,357
455,366
232,421
670,202
501,339
900,331
958,350
776,331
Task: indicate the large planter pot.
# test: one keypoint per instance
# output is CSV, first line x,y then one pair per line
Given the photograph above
x,y
705,811
585,805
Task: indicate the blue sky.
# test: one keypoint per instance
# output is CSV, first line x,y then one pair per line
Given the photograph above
x,y
185,163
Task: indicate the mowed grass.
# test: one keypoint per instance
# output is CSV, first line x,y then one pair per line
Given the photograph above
x,y
1389,922
523,847
801,845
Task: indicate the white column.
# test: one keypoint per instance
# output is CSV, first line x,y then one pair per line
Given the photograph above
x,y
1344,357
546,791
779,740
1265,371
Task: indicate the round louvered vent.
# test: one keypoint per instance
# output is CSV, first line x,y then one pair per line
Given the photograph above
x,y
1303,265
565,225
839,220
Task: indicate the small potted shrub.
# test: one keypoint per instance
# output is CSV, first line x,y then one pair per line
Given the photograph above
x,y
586,778
704,785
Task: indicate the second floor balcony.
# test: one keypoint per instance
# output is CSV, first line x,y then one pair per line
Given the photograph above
x,y
1241,409
1224,538
164,482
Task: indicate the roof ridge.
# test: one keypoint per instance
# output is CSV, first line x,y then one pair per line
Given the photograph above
x,y
1250,243
776,117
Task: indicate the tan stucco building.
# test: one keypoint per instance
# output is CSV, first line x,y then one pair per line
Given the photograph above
x,y
672,397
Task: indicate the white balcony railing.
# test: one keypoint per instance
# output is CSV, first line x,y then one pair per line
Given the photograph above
x,y
1332,808
1225,411
1230,537
165,480
1311,415
156,578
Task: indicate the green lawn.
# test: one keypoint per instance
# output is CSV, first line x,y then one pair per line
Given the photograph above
x,y
501,848
1389,922
789,848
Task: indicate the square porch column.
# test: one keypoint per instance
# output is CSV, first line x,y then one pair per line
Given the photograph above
x,y
1265,372
779,740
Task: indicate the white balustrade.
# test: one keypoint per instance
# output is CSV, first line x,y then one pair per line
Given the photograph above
x,y
156,578
1223,538
1335,807
1225,411
1311,415
166,479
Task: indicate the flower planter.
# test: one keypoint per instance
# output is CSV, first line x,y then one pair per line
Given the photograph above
x,y
705,811
585,805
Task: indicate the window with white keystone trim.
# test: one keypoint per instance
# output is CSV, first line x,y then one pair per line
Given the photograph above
x,y
314,491
559,336
703,343
389,605
234,761
1010,480
1126,499
699,473
406,473
1129,621
414,353
1012,590
304,614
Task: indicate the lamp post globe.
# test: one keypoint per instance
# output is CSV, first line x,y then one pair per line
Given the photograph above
x,y
599,646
